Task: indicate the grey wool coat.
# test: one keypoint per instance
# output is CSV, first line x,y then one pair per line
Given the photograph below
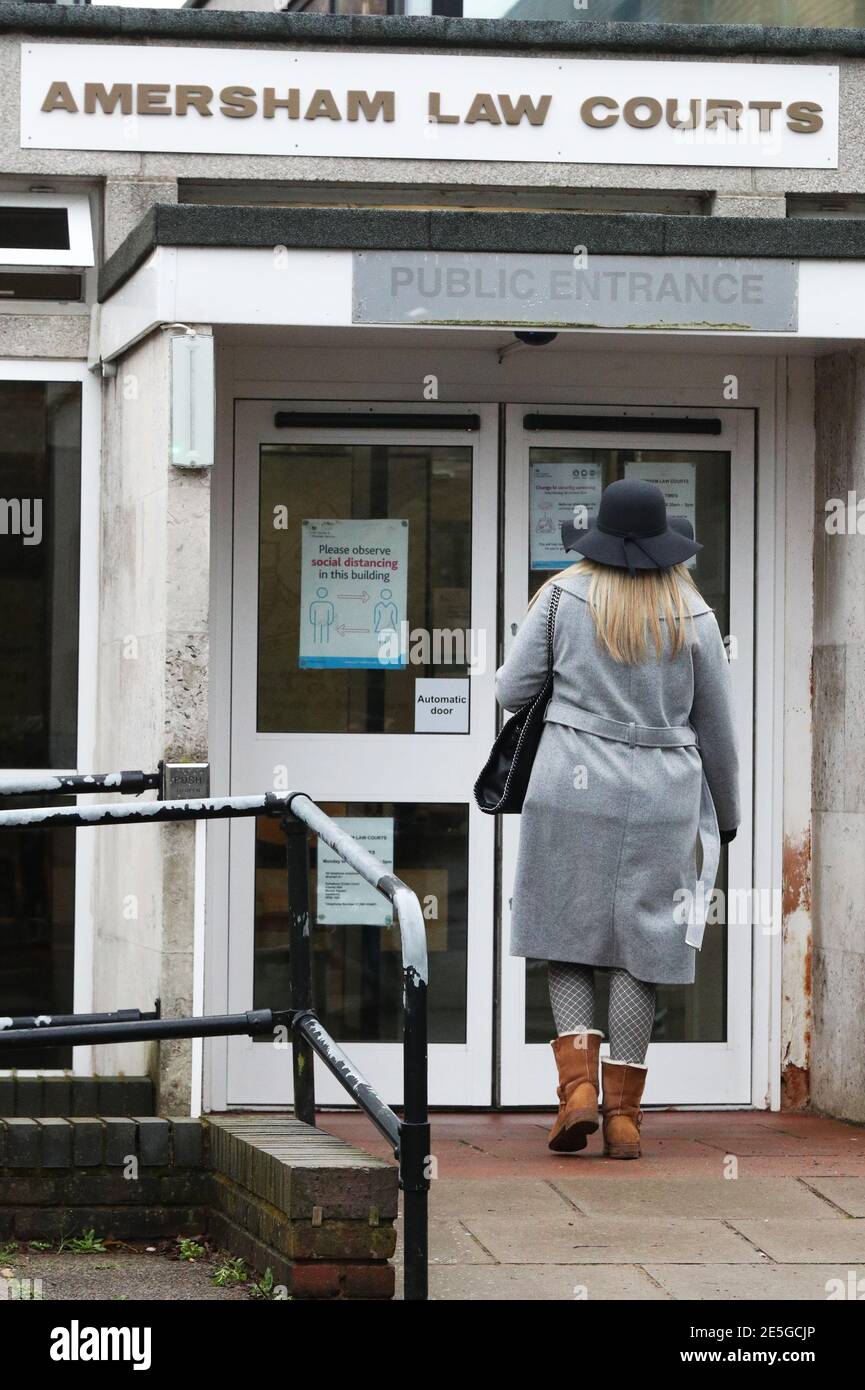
x,y
610,825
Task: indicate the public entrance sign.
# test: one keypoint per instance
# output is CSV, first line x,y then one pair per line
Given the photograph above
x,y
396,105
575,291
353,592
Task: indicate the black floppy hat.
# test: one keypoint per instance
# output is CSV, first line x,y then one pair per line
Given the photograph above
x,y
682,525
631,530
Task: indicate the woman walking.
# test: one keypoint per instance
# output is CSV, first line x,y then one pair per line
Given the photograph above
x,y
637,761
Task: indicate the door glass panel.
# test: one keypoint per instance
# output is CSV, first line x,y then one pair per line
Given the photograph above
x,y
427,487
697,483
357,963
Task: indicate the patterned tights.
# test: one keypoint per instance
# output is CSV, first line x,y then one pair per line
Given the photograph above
x,y
632,1007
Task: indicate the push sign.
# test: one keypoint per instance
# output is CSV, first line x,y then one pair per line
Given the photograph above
x,y
185,781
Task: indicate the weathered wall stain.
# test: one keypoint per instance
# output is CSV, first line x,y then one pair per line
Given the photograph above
x,y
796,876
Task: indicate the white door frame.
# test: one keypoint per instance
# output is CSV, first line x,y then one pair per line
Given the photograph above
x,y
681,1073
362,767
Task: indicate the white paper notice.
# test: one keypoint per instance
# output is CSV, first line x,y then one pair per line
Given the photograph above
x,y
678,482
441,706
560,492
343,898
353,587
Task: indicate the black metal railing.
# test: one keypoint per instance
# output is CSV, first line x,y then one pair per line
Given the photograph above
x,y
408,1134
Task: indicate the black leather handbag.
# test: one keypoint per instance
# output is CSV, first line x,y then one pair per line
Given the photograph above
x,y
501,786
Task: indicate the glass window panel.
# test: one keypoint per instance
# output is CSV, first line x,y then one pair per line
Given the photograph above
x,y
37,913
427,485
40,466
684,1013
357,968
40,481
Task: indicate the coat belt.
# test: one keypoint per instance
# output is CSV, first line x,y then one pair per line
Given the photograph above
x,y
639,735
665,736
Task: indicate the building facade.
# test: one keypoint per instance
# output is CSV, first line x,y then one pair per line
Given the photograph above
x,y
280,475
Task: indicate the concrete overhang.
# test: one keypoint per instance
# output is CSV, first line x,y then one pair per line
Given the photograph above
x,y
127,24
293,267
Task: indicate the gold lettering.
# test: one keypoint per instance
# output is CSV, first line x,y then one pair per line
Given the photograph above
x,y
59,98
587,112
435,111
271,103
652,107
97,94
322,104
199,98
358,102
483,108
238,102
804,117
513,111
676,121
729,110
765,108
151,98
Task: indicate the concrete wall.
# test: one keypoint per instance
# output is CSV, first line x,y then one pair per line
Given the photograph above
x,y
152,704
838,1059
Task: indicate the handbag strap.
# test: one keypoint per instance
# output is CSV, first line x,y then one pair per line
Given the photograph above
x,y
551,626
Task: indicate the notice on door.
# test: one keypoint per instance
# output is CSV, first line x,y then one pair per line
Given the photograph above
x,y
560,492
678,482
343,898
441,706
353,593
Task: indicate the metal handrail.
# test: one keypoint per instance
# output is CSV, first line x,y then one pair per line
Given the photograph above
x,y
73,783
410,1134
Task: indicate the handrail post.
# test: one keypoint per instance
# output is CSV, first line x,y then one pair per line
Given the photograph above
x,y
300,963
415,1138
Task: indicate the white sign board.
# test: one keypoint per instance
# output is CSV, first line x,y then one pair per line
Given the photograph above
x,y
395,105
560,492
678,482
343,898
441,705
353,592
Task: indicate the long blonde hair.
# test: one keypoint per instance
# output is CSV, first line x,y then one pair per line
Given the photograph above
x,y
628,610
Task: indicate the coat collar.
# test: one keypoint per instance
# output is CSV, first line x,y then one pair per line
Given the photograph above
x,y
578,585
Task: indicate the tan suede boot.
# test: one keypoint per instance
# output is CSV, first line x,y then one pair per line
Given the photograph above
x,y
576,1057
623,1091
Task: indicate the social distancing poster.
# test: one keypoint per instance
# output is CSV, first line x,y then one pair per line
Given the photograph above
x,y
353,592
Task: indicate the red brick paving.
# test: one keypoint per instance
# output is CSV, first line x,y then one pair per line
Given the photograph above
x,y
675,1143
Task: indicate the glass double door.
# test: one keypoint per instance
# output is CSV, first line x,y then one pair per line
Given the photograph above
x,y
370,578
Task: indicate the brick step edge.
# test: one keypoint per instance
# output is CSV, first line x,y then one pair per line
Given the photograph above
x,y
305,1279
37,1097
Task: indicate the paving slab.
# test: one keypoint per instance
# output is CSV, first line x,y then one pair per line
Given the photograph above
x,y
764,1283
846,1193
553,1283
611,1240
699,1197
806,1242
464,1198
449,1243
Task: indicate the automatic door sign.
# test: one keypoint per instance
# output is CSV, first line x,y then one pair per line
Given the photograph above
x,y
343,898
678,482
353,593
560,492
